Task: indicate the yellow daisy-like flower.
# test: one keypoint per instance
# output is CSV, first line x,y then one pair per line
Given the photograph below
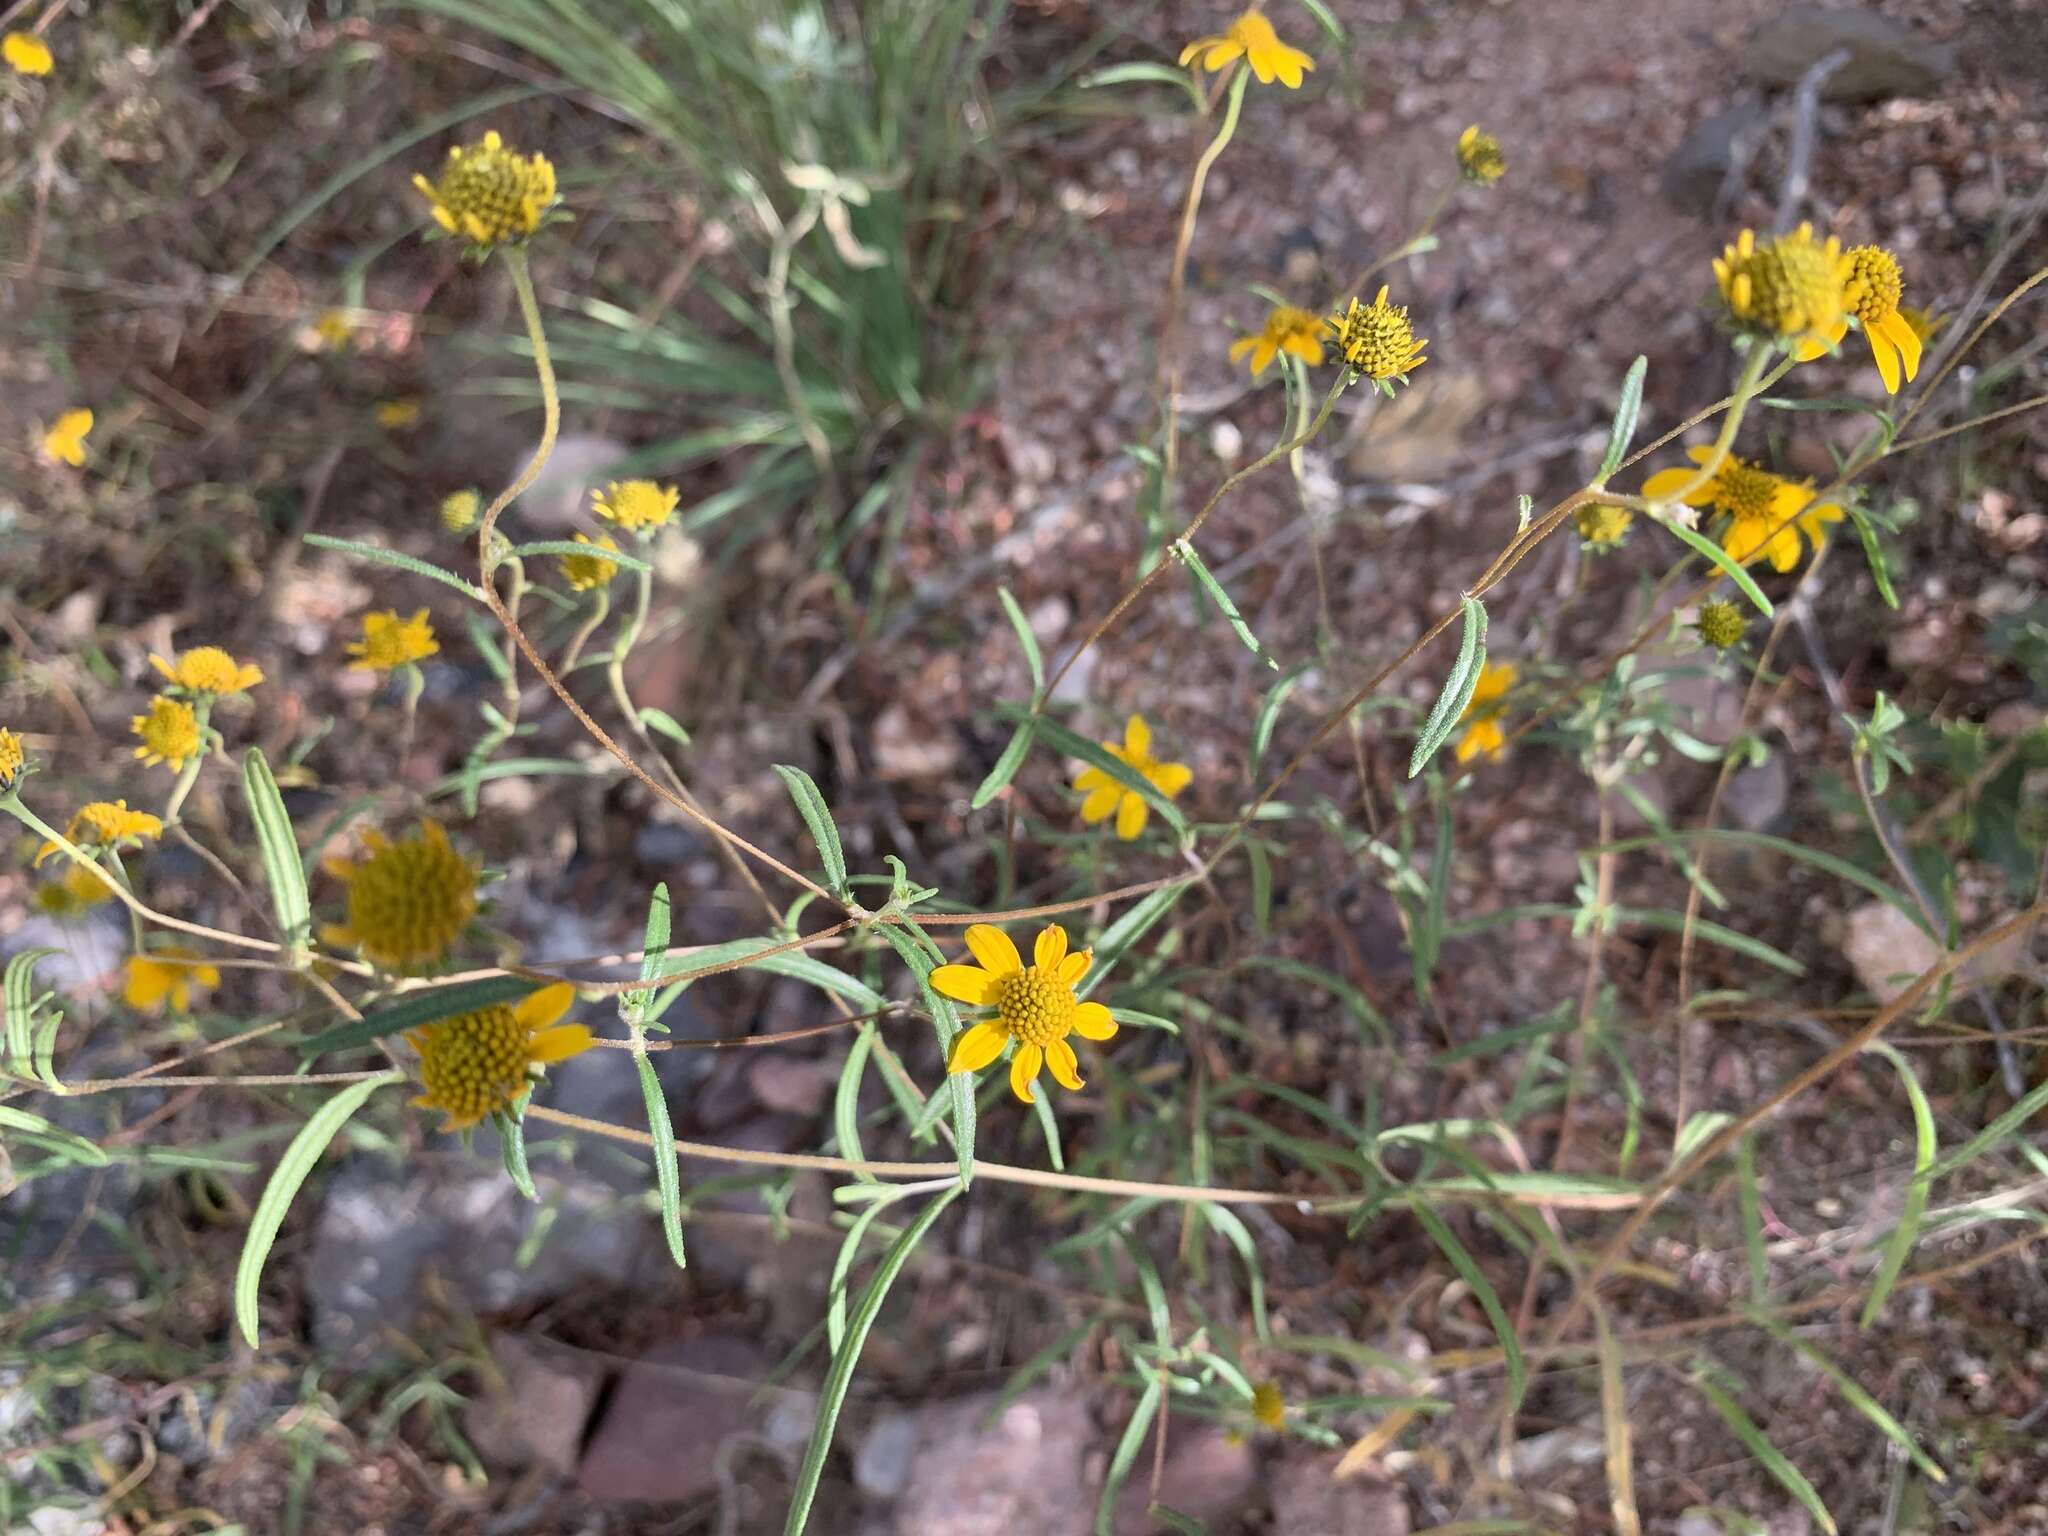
x,y
1287,329
1602,524
65,442
169,732
1789,287
1720,623
12,760
106,823
27,54
1376,340
1105,794
1872,295
584,572
1766,512
407,902
332,329
397,415
1268,1406
638,506
1480,160
478,1063
72,894
1035,1006
209,669
490,195
168,975
389,641
460,511
1484,709
1251,37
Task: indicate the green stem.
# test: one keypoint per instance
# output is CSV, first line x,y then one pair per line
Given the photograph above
x,y
629,636
1746,389
189,774
598,612
550,403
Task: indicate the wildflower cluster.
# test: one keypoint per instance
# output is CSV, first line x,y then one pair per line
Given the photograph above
x,y
490,195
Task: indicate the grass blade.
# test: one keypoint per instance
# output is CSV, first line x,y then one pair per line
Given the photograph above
x,y
1621,1480
1126,1455
946,1023
668,1179
1006,766
1899,1246
1457,692
1758,1445
1214,588
1857,1398
1269,711
1025,639
1469,1271
19,990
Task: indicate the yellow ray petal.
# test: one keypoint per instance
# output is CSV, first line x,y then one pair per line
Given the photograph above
x,y
560,1043
1066,1067
1023,1069
1130,817
965,984
975,1048
1092,1021
1075,966
992,947
540,1009
1051,947
1100,803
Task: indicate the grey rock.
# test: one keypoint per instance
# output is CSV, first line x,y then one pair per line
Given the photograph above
x,y
1886,58
1758,795
534,1413
1024,1472
560,498
881,1466
1710,158
1308,1497
1210,1474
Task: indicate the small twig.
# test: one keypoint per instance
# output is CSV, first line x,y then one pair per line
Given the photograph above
x,y
1805,132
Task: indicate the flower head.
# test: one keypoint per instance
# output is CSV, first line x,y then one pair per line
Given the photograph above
x,y
397,415
1287,329
1766,512
166,975
13,761
1251,37
1483,710
1269,1408
1480,160
1376,340
478,1063
1788,287
488,194
27,53
1105,794
584,572
333,329
65,442
1871,294
1720,623
72,894
169,732
407,902
1035,1006
459,512
209,669
389,641
1602,524
637,506
106,823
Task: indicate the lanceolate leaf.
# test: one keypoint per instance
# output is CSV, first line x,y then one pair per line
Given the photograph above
x,y
1457,692
279,846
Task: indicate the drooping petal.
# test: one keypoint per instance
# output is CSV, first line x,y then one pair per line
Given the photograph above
x,y
1092,1021
1306,346
560,1043
537,1010
965,984
1066,1067
992,947
1100,803
1481,736
1137,737
1899,331
1241,346
1783,549
1051,947
975,1048
1263,353
1171,778
1024,1069
1130,817
1667,482
1091,779
1886,356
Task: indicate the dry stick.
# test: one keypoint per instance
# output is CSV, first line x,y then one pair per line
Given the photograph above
x,y
1725,1138
1949,364
1967,426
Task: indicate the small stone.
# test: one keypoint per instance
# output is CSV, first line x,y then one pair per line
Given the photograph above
x,y
1225,441
1307,1497
907,750
1021,1473
535,1412
1888,951
673,1409
1209,1473
881,1466
1886,58
1708,158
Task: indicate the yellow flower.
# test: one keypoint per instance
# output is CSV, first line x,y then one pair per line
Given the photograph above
x,y
1872,295
1483,710
12,760
1287,329
1106,794
459,512
1720,623
1268,1406
1789,287
29,54
1035,1007
167,975
1375,339
1252,37
66,440
490,194
1766,512
105,823
397,415
635,505
1601,524
209,669
1480,160
478,1063
169,732
72,894
389,641
584,572
333,329
407,902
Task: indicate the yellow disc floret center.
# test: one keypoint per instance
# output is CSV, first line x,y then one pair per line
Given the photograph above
x,y
409,902
1742,490
475,1063
1875,283
1036,1006
1376,339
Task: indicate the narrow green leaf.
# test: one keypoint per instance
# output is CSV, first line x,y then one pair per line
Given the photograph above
x,y
392,557
842,1265
279,846
1049,1127
1326,17
1227,1222
1221,598
1007,765
1696,1132
1457,692
832,1396
1126,1454
946,1024
636,1006
1149,1284
668,1179
19,991
1758,1445
662,723
1998,1130
1141,72
1025,639
1120,935
1469,1271
1269,711
1727,564
67,1143
1073,744
1853,1394
427,1005
1625,413
571,547
489,643
511,1124
846,1100
810,805
1899,1246
1873,552
291,1171
1750,1197
1428,936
